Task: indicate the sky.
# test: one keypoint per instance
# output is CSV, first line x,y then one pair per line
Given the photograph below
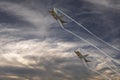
x,y
35,47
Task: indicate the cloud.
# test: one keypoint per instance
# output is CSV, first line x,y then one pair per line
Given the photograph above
x,y
25,57
38,21
107,3
25,13
22,58
32,58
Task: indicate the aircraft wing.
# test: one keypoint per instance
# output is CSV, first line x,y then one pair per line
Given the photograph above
x,y
87,60
86,55
63,21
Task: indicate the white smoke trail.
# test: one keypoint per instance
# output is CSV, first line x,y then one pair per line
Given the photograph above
x,y
99,50
109,66
88,30
82,38
87,66
112,69
99,73
95,47
92,45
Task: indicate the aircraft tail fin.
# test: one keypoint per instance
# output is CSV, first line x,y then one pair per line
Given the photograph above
x,y
54,9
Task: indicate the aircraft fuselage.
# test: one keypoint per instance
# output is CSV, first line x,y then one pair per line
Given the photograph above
x,y
82,57
55,16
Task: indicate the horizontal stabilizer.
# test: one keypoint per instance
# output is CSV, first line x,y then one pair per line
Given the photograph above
x,y
61,16
87,61
86,55
63,21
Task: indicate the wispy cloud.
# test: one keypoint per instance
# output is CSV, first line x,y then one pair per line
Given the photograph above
x,y
35,54
28,58
50,59
40,22
107,3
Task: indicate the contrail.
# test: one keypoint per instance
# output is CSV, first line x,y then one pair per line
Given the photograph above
x,y
88,30
112,69
99,50
99,73
87,66
83,38
92,45
109,66
96,71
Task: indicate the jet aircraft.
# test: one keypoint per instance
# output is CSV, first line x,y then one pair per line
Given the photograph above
x,y
82,57
53,12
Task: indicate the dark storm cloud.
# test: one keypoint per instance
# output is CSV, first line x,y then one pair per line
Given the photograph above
x,y
30,30
107,21
101,20
19,18
7,18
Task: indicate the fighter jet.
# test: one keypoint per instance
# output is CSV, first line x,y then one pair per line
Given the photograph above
x,y
53,12
82,57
